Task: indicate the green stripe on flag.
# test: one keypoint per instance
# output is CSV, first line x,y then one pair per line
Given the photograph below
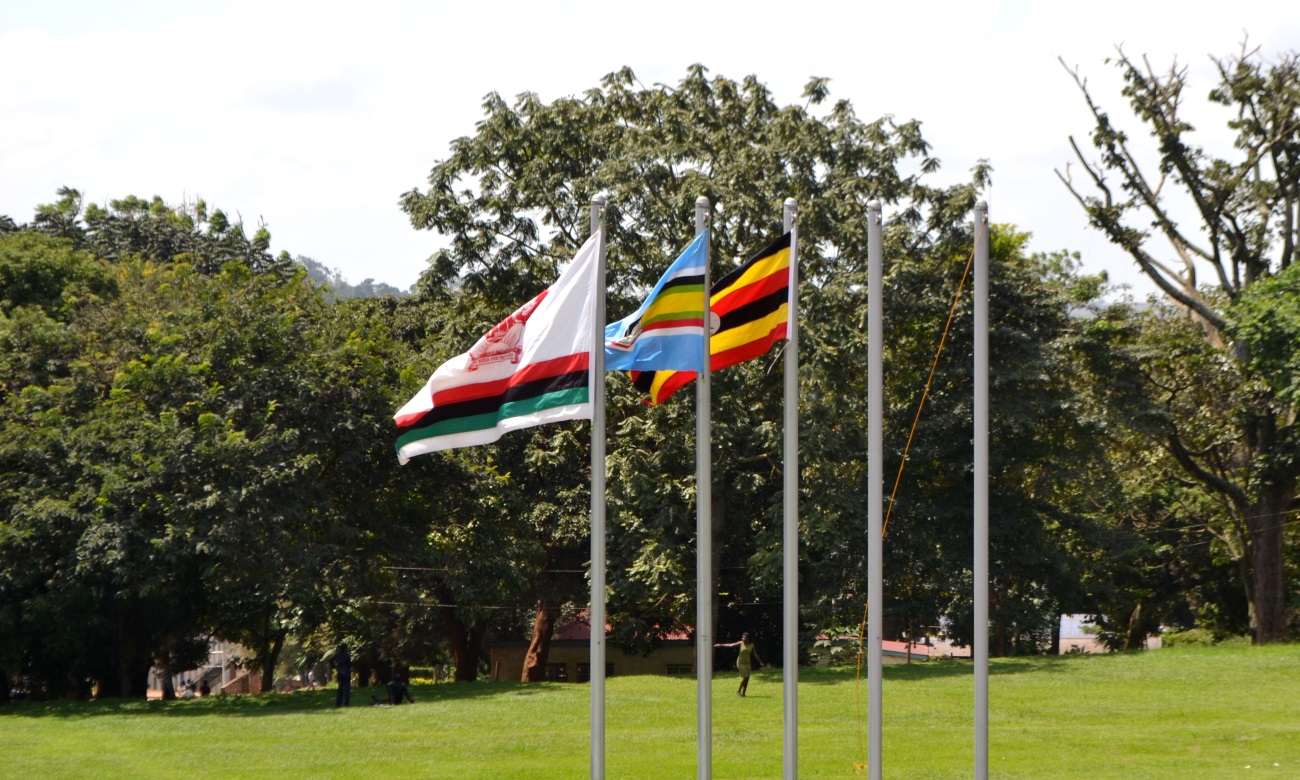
x,y
571,397
478,422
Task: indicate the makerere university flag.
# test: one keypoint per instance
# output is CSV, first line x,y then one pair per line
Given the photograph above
x,y
748,312
534,367
667,332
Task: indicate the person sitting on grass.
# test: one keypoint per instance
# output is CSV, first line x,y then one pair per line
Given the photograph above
x,y
397,691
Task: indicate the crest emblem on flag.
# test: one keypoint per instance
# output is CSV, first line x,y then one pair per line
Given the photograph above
x,y
627,340
505,340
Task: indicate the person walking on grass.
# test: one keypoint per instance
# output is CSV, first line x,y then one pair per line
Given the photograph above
x,y
746,660
342,661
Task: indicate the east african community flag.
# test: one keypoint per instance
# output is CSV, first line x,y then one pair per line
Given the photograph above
x,y
748,312
667,332
534,367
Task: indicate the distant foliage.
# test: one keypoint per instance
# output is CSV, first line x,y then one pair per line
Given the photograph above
x,y
338,286
154,230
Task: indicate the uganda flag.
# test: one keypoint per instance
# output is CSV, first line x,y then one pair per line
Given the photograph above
x,y
748,312
533,367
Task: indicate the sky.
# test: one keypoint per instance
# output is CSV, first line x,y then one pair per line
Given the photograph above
x,y
316,117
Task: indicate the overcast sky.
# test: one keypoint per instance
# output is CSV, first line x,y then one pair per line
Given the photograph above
x,y
317,116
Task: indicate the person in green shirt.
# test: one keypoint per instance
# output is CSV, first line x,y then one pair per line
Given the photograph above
x,y
746,660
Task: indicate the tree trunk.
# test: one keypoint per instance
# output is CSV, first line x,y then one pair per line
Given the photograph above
x,y
999,644
138,678
1134,638
123,678
1265,520
466,644
165,672
267,657
539,648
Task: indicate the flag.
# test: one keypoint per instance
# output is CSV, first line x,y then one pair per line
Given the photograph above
x,y
667,331
533,367
748,312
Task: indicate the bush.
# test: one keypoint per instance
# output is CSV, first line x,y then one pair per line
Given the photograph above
x,y
1202,637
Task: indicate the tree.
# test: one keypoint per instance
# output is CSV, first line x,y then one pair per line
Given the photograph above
x,y
513,200
1239,219
184,454
154,230
44,284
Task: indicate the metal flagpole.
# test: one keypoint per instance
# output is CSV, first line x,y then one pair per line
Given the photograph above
x,y
790,495
875,484
704,527
598,501
981,626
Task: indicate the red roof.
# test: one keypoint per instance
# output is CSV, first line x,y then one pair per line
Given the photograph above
x,y
579,630
901,648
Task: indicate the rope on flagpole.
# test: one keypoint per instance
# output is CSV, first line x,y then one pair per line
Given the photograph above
x,y
860,767
952,312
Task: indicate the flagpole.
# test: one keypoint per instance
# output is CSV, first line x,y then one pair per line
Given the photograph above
x,y
597,654
790,495
704,528
981,533
875,485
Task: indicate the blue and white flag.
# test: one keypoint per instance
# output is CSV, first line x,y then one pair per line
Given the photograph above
x,y
667,332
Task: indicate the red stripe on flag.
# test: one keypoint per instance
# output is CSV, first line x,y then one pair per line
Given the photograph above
x,y
672,384
406,420
534,371
735,298
697,322
747,351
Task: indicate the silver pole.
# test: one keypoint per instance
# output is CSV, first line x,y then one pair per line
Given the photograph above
x,y
598,502
875,485
981,625
790,495
704,527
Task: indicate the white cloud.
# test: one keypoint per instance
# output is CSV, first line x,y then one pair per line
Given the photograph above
x,y
317,116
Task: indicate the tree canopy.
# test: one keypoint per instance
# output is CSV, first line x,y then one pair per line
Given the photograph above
x,y
1207,227
195,436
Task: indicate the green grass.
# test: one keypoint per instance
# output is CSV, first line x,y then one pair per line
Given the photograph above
x,y
1198,712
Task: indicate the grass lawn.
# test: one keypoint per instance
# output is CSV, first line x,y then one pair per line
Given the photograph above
x,y
1172,713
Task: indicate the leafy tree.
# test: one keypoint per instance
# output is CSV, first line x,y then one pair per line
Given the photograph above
x,y
1226,223
181,458
154,230
513,199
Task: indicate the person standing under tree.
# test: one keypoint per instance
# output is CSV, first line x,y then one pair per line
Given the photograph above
x,y
342,661
746,660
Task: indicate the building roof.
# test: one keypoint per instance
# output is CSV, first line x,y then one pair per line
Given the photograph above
x,y
579,629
